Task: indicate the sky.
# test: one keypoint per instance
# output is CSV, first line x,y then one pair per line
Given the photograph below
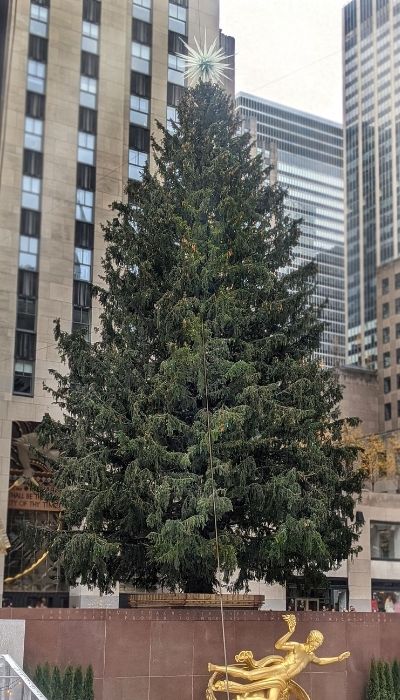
x,y
289,51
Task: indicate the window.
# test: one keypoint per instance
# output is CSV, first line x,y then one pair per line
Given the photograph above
x,y
90,37
86,146
89,64
387,385
30,223
86,177
23,378
84,234
141,9
139,113
385,310
140,85
83,264
177,18
33,136
81,321
174,94
385,285
141,55
397,280
27,284
92,11
388,411
386,335
33,163
398,356
81,294
84,206
176,70
397,306
397,330
172,117
26,314
386,359
137,162
385,541
88,92
35,105
31,192
36,76
28,253
37,49
175,43
87,120
25,346
139,139
39,20
141,32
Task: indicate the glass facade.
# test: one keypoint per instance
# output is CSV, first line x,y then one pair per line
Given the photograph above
x,y
306,154
372,143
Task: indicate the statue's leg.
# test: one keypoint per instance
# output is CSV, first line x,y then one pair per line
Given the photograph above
x,y
241,689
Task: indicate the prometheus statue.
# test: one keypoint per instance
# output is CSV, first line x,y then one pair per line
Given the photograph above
x,y
271,678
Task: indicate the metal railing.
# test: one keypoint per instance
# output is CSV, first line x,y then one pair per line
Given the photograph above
x,y
14,683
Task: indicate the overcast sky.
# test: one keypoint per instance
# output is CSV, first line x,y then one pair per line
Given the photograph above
x,y
289,51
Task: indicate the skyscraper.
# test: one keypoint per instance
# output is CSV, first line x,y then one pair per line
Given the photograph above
x,y
82,83
371,30
306,155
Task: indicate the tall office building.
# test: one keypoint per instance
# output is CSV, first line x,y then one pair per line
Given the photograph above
x,y
371,30
82,83
306,154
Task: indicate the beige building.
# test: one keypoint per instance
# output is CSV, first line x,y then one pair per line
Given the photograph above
x,y
388,343
82,83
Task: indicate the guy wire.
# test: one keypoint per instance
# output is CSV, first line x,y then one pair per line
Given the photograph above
x,y
211,457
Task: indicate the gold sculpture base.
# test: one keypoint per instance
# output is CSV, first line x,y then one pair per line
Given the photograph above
x,y
270,678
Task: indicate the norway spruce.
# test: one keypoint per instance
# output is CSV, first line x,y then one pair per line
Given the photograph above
x,y
205,349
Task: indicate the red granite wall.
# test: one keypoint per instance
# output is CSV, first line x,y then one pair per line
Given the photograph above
x,y
163,654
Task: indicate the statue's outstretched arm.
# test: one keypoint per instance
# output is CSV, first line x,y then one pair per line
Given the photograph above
x,y
331,660
282,642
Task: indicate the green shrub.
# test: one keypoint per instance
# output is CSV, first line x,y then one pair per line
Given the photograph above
x,y
67,683
396,679
373,682
88,689
56,689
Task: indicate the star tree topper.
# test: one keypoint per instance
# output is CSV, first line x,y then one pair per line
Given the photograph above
x,y
205,64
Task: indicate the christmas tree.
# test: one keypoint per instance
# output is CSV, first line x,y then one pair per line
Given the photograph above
x,y
200,408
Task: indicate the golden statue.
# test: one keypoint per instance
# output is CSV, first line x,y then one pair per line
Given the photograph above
x,y
271,678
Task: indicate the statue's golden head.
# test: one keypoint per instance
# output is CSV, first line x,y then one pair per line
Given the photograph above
x,y
314,639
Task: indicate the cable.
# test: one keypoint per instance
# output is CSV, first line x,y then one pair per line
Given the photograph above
x,y
211,457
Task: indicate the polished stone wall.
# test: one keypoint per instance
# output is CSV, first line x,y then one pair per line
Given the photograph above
x,y
152,654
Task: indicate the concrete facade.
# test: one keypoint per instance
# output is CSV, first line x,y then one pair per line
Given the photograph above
x,y
388,342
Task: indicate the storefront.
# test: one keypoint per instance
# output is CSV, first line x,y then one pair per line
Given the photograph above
x,y
332,596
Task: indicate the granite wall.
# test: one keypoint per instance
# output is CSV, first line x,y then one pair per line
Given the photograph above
x,y
147,654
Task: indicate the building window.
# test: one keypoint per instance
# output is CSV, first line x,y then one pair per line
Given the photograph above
x,y
36,76
140,108
137,162
26,314
87,120
386,335
92,11
33,135
37,49
177,18
39,20
90,37
89,64
30,223
88,92
33,163
398,356
397,305
28,253
31,187
174,94
385,541
141,56
141,32
141,9
385,310
35,105
83,265
86,148
388,411
84,206
172,118
397,280
86,177
140,85
139,139
386,359
387,385
385,285
176,70
23,378
81,320
84,235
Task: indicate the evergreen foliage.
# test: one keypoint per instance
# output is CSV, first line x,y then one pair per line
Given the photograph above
x,y
67,683
396,679
389,682
38,677
88,685
46,679
201,310
78,684
56,689
373,682
383,687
